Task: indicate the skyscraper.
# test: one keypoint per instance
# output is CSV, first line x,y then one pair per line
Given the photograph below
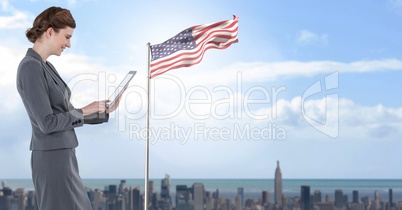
x,y
150,193
198,194
240,191
122,186
339,199
305,202
183,197
317,198
239,206
355,196
136,199
390,198
165,202
278,186
265,197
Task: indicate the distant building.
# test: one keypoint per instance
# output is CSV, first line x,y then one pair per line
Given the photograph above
x,y
135,198
339,199
265,197
198,196
150,193
278,186
165,201
240,191
317,197
284,202
183,198
355,195
239,205
305,202
122,186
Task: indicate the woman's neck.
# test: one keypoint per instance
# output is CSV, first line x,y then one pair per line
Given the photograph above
x,y
41,50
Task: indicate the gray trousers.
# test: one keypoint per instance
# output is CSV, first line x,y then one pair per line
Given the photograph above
x,y
56,179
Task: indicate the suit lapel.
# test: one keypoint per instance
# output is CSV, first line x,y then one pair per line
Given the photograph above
x,y
59,81
50,70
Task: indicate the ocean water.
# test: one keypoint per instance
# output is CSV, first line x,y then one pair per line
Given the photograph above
x,y
253,187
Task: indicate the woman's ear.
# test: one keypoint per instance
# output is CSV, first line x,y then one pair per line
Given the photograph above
x,y
49,32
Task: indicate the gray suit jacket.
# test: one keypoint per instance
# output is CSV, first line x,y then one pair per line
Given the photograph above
x,y
46,98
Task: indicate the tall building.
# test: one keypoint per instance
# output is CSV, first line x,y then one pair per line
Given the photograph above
x,y
31,205
122,186
135,199
265,197
355,195
305,202
111,197
165,202
198,196
278,185
339,199
284,202
240,191
183,197
239,206
317,197
20,197
376,195
150,192
377,199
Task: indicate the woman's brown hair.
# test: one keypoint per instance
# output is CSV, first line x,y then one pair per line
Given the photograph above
x,y
53,17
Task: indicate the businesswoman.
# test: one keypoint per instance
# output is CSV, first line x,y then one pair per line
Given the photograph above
x,y
46,98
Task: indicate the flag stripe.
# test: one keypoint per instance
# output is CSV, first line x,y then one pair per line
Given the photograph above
x,y
213,36
185,62
205,31
191,54
187,48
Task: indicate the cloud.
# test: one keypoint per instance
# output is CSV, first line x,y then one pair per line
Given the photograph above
x,y
397,4
5,5
306,37
263,71
254,72
17,19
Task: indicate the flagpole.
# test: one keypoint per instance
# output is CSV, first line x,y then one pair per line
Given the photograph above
x,y
146,202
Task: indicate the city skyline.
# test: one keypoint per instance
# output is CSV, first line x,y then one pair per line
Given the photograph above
x,y
124,197
195,196
309,83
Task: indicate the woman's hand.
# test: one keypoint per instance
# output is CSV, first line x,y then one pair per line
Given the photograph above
x,y
95,107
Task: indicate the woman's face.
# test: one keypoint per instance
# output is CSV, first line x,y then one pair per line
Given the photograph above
x,y
61,40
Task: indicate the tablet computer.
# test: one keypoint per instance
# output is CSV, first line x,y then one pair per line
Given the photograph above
x,y
119,90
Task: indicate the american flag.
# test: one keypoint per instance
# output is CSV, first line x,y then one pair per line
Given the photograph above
x,y
187,48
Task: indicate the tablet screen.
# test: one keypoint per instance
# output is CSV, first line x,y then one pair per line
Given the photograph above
x,y
123,84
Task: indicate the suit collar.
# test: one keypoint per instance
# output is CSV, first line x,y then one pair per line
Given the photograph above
x,y
52,72
34,54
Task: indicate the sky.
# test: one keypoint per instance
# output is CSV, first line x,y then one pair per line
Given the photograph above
x,y
312,85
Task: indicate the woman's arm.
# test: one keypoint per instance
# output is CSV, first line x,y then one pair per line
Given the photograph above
x,y
35,93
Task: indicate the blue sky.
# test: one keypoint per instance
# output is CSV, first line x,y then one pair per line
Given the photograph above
x,y
314,85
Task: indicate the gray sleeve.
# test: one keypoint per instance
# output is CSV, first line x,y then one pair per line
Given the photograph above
x,y
34,91
96,118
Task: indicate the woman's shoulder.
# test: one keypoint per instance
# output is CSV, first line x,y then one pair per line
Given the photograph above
x,y
28,64
28,69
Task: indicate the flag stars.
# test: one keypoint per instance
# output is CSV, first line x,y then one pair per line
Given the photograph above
x,y
182,41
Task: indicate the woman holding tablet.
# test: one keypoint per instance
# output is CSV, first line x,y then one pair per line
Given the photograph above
x,y
46,98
